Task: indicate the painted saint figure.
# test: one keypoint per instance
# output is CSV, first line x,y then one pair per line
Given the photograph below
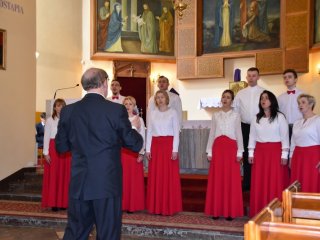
x,y
166,25
224,22
147,31
103,23
114,31
225,14
317,23
251,29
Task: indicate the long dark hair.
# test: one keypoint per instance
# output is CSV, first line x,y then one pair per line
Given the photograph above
x,y
274,107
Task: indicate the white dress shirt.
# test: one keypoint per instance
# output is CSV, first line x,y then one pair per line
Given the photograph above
x,y
288,104
50,132
119,100
163,124
264,132
246,102
174,103
142,132
227,124
305,133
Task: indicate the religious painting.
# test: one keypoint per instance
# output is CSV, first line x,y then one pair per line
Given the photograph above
x,y
133,29
3,39
240,25
317,22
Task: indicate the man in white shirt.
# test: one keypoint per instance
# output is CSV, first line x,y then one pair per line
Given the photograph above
x,y
174,99
115,89
246,103
288,103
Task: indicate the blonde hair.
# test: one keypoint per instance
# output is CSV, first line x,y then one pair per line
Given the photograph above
x,y
311,99
131,99
166,95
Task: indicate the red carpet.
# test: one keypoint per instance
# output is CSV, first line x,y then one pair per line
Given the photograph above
x,y
184,220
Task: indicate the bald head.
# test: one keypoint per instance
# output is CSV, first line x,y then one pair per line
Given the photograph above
x,y
93,78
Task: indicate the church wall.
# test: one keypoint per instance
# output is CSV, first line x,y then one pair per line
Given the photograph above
x,y
59,45
18,86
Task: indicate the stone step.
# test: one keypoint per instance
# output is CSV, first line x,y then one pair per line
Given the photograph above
x,y
129,230
23,196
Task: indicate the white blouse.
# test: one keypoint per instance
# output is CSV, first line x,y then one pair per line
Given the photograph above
x,y
305,133
227,124
163,124
264,131
50,132
142,132
174,103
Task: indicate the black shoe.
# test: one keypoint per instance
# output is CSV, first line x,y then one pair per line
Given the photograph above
x,y
229,218
129,212
54,209
215,218
62,208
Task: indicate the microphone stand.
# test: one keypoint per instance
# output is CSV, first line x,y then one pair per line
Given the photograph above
x,y
55,93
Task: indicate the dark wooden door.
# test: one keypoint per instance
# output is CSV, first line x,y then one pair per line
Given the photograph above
x,y
137,88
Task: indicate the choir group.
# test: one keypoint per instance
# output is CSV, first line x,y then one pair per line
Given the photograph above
x,y
276,139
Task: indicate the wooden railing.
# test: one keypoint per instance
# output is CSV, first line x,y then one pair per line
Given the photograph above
x,y
271,213
297,218
301,207
286,231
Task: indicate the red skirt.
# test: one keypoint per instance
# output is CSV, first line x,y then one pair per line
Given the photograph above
x,y
133,182
303,168
268,177
224,192
164,188
56,179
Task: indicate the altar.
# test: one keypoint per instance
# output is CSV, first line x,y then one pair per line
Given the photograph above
x,y
193,143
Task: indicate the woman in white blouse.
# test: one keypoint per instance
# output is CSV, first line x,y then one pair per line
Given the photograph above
x,y
56,176
164,189
305,146
268,153
133,197
224,149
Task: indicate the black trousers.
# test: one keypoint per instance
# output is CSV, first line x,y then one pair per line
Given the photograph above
x,y
104,213
245,128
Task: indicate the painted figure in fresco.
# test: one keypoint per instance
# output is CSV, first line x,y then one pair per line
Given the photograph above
x,y
317,23
147,31
250,28
166,25
103,23
225,14
223,23
263,16
114,31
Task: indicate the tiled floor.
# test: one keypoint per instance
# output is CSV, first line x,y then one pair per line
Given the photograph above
x,y
31,233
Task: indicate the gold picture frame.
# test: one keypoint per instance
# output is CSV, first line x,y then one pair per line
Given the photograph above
x,y
3,48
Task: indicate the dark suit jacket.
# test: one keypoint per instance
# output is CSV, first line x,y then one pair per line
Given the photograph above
x,y
94,130
40,134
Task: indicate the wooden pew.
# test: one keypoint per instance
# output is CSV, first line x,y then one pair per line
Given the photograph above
x,y
300,207
285,231
271,213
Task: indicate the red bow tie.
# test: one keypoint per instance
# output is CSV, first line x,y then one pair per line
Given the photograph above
x,y
115,97
291,92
